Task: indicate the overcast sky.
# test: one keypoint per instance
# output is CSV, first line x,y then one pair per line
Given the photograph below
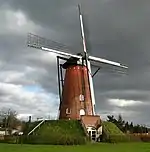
x,y
118,30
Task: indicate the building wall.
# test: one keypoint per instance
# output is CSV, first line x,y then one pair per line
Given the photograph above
x,y
74,96
4,133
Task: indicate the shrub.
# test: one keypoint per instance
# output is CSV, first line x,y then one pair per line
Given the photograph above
x,y
123,138
55,140
9,139
144,138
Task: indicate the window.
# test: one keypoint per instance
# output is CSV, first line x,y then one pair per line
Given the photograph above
x,y
82,112
81,97
68,111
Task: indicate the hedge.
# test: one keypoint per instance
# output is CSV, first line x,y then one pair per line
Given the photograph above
x,y
53,140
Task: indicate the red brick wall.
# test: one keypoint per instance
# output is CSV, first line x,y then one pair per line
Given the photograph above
x,y
74,77
91,120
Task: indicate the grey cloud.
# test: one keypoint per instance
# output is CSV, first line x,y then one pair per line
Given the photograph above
x,y
117,30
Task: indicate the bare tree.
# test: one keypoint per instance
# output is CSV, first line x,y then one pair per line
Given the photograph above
x,y
9,119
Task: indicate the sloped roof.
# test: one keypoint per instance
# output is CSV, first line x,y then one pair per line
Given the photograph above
x,y
93,121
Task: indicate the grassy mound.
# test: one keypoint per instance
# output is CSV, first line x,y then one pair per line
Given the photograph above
x,y
112,134
111,129
62,132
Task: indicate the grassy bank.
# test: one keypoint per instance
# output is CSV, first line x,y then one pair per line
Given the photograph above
x,y
61,132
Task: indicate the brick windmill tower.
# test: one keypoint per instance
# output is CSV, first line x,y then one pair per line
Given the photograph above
x,y
75,86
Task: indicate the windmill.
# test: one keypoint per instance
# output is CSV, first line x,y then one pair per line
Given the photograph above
x,y
76,89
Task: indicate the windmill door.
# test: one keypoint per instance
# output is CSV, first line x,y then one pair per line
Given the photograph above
x,y
92,133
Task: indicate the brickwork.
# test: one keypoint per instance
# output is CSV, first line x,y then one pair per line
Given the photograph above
x,y
74,96
92,121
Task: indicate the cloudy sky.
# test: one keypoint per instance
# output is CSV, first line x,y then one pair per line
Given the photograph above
x,y
118,30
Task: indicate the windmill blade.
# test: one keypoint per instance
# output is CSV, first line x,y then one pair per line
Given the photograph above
x,y
88,65
61,53
82,30
104,61
109,70
44,44
38,42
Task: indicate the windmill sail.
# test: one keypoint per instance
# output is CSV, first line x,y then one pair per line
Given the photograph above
x,y
61,53
82,30
104,61
38,42
86,60
44,44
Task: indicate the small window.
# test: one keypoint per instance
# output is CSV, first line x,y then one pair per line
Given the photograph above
x,y
82,112
81,97
68,111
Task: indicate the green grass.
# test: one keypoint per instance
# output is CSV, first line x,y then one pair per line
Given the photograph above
x,y
126,147
111,129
